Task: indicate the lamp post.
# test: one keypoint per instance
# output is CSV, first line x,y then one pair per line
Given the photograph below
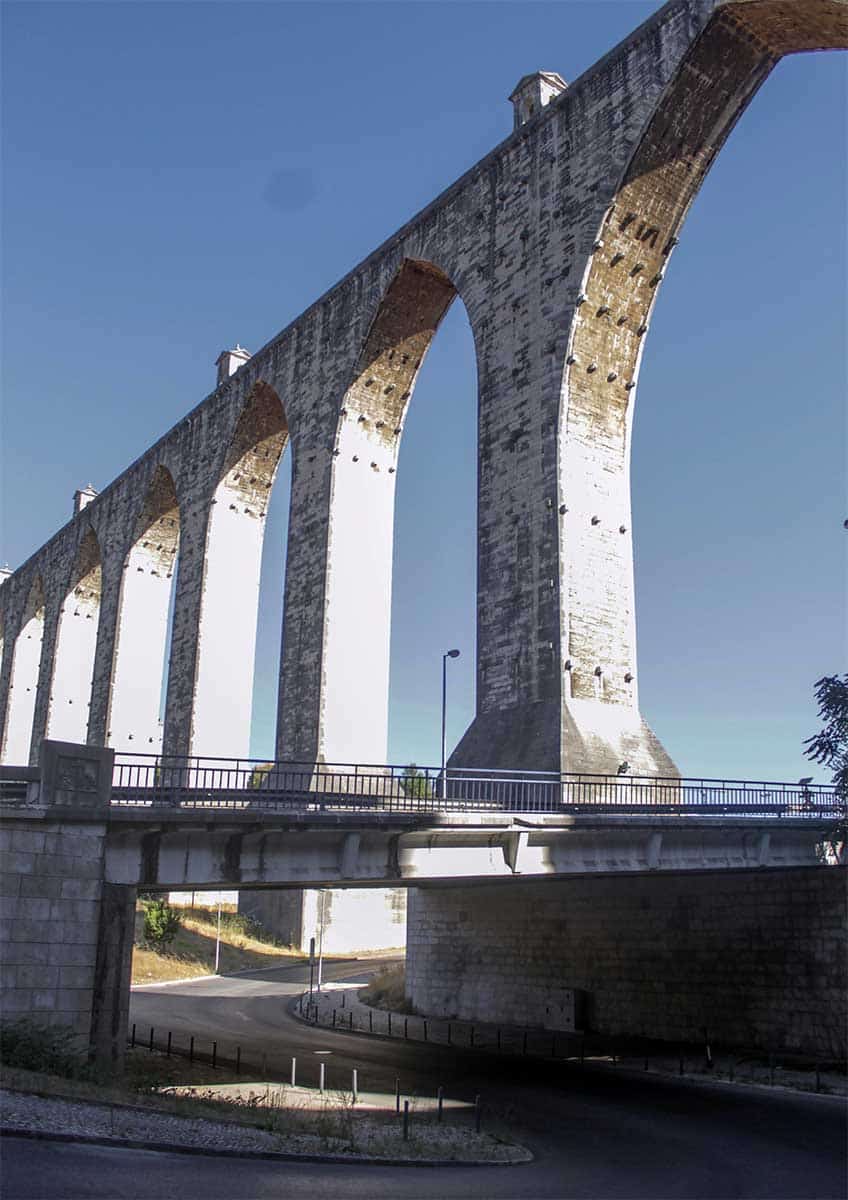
x,y
448,654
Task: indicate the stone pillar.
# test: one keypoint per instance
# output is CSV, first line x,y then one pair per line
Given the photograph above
x,y
112,975
52,860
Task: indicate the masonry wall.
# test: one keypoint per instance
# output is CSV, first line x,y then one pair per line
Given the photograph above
x,y
758,957
51,886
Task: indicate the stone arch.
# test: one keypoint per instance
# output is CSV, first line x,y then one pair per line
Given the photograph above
x,y
142,626
359,579
226,640
23,682
722,70
76,639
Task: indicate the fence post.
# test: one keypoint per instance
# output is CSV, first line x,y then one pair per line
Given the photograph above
x,y
294,1073
214,1055
355,1086
397,1094
151,1037
370,1020
390,1024
168,1051
132,1041
321,1078
191,1049
406,1120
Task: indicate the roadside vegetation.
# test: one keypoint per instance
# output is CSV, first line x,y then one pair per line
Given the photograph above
x,y
174,943
386,990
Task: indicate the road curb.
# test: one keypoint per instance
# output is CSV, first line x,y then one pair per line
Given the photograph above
x,y
268,1155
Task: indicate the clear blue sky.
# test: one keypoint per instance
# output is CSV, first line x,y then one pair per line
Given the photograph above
x,y
179,176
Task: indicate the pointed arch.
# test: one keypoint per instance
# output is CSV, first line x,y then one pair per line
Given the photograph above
x,y
76,638
142,627
359,583
23,682
226,637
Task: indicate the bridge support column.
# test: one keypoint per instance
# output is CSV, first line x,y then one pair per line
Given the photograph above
x,y
112,974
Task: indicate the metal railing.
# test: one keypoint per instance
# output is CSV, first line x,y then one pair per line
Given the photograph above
x,y
159,781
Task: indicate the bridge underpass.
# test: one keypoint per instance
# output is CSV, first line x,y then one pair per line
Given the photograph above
x,y
668,919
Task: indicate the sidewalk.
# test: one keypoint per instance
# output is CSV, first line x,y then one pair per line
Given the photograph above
x,y
338,1006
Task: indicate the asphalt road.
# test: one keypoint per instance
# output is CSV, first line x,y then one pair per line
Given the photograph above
x,y
597,1135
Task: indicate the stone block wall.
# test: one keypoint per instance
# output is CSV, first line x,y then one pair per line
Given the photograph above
x,y
756,957
51,891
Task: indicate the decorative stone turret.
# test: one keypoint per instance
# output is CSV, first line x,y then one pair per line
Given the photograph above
x,y
83,497
533,92
229,361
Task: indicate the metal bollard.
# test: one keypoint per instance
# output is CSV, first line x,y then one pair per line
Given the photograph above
x,y
191,1049
321,1078
344,997
355,1086
370,1021
214,1055
425,1031
397,1095
168,1051
406,1120
440,1098
390,1024
294,1073
151,1037
132,1042
406,1027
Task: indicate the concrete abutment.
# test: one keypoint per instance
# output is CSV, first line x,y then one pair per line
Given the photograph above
x,y
756,957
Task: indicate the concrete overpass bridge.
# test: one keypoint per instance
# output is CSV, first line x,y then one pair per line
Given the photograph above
x,y
520,886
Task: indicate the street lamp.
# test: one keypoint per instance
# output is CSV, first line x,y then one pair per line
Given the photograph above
x,y
448,654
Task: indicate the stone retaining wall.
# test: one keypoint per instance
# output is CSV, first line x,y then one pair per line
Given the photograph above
x,y
757,957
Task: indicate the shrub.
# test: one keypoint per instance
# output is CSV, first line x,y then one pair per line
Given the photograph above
x,y
161,922
51,1050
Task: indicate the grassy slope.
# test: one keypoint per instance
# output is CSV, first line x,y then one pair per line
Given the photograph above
x,y
192,952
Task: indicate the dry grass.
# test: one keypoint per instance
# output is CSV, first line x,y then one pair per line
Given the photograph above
x,y
386,990
244,946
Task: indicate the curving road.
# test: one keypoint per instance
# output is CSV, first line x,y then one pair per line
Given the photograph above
x,y
595,1134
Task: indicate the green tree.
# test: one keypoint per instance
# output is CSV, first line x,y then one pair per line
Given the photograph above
x,y
829,746
161,922
416,783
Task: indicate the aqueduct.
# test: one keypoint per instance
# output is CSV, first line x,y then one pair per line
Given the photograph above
x,y
556,243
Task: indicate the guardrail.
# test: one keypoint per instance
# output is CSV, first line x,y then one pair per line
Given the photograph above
x,y
219,783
